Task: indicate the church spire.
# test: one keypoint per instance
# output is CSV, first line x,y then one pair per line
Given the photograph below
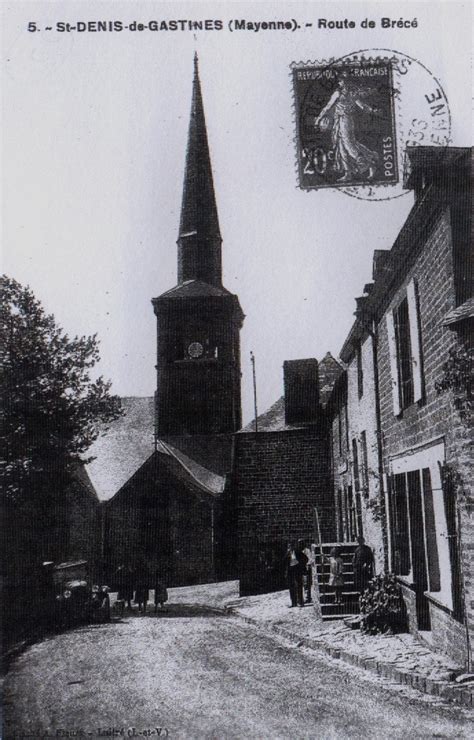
x,y
199,240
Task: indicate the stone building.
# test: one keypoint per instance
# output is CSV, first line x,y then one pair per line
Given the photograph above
x,y
166,508
412,320
355,445
280,473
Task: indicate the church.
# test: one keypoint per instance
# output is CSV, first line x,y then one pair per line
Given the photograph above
x,y
167,460
185,488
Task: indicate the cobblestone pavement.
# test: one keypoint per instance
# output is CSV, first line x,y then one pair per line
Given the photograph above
x,y
399,657
204,675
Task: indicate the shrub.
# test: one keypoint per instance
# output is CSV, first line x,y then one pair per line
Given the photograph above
x,y
382,607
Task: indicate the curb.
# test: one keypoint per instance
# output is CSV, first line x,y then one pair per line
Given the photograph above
x,y
446,690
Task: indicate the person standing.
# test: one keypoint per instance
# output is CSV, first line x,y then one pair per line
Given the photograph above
x,y
161,592
363,565
125,581
295,562
336,574
308,576
142,586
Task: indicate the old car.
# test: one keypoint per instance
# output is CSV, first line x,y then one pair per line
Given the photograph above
x,y
77,601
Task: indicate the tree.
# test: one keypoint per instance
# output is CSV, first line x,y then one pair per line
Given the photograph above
x,y
52,410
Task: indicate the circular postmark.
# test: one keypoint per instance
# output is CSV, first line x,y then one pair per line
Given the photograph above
x,y
356,117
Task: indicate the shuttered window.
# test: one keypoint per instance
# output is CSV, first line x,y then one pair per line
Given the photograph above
x,y
401,562
404,362
415,340
404,342
392,348
430,532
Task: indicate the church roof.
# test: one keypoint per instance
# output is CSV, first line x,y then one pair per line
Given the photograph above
x,y
123,448
195,289
198,209
199,238
129,443
205,479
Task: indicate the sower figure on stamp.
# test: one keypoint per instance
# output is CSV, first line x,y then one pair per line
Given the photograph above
x,y
351,158
295,562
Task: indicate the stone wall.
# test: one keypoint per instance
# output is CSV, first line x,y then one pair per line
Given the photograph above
x,y
278,478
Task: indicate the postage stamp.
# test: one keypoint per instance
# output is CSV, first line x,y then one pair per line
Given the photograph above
x,y
357,115
346,124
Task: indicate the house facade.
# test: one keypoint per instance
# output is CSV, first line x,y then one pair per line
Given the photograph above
x,y
355,445
427,458
409,441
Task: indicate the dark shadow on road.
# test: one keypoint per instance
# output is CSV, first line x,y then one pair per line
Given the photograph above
x,y
171,611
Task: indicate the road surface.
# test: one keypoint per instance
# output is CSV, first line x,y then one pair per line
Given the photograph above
x,y
192,673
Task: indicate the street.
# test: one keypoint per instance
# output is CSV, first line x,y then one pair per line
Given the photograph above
x,y
191,672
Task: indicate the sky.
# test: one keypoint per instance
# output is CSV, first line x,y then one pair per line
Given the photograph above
x,y
94,130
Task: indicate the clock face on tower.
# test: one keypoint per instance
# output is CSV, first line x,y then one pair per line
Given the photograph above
x,y
195,350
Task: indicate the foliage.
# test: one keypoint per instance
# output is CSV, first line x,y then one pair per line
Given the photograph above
x,y
457,377
52,410
382,607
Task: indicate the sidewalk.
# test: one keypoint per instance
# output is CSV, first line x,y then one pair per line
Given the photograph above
x,y
400,658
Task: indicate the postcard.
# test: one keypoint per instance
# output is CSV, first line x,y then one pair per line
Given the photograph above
x,y
237,356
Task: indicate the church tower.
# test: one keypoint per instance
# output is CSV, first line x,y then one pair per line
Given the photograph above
x,y
198,321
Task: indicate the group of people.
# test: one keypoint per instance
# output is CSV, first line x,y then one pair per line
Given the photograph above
x,y
133,584
300,558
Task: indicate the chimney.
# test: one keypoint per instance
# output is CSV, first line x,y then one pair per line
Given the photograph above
x,y
301,391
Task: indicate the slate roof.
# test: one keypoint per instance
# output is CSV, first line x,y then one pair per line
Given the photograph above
x,y
206,479
329,370
124,448
460,313
129,443
273,420
194,289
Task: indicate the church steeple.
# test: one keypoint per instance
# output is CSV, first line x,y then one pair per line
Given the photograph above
x,y
199,240
198,321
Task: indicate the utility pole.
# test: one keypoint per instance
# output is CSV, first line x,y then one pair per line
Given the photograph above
x,y
252,360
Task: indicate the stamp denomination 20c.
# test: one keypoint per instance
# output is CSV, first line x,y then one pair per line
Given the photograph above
x,y
357,115
346,124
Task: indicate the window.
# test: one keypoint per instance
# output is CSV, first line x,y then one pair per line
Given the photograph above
x,y
401,562
365,463
360,372
355,461
404,341
403,344
356,479
422,522
430,530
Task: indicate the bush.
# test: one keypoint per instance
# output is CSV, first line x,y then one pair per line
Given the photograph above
x,y
382,607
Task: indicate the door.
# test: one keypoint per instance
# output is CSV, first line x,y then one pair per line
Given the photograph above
x,y
417,540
